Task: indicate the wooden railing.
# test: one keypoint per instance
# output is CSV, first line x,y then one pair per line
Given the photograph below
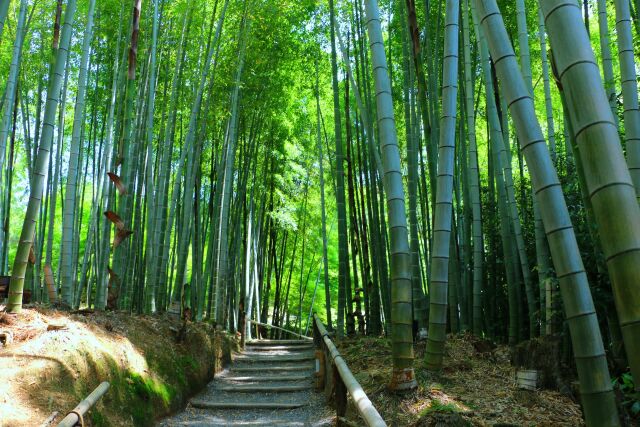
x,y
76,417
334,377
266,325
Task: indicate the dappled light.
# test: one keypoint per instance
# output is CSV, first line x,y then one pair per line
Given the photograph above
x,y
319,212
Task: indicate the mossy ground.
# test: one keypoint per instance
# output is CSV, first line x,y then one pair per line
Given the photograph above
x,y
150,374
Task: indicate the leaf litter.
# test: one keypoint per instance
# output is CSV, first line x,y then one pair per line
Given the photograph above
x,y
476,387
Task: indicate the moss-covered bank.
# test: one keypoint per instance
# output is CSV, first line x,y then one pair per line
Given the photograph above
x,y
151,374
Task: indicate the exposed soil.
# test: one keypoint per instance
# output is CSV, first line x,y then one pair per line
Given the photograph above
x,y
53,359
477,387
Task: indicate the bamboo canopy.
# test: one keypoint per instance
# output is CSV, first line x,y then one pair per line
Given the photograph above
x,y
409,171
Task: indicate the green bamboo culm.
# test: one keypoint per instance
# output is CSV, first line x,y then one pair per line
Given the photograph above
x,y
189,144
223,267
150,290
629,94
474,175
495,148
444,194
4,9
164,213
412,136
325,256
42,164
69,209
403,377
607,177
11,89
11,86
542,247
541,253
128,154
595,384
343,250
605,54
103,245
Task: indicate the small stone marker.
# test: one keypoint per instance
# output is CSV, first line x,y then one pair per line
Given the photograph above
x,y
527,379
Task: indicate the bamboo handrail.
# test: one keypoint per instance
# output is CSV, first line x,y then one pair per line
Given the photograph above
x,y
366,409
279,328
74,417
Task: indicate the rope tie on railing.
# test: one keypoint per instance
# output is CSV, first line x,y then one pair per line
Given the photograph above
x,y
80,418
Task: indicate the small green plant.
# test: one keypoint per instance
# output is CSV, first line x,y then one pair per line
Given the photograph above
x,y
436,387
98,419
438,406
631,400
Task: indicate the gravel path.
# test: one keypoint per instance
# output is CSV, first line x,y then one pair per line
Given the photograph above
x,y
269,384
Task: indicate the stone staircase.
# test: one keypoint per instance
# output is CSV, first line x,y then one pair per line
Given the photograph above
x,y
269,384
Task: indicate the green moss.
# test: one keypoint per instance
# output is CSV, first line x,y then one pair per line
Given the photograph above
x,y
143,397
188,361
173,372
149,388
437,406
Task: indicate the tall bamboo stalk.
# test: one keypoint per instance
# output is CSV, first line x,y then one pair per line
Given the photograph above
x,y
629,99
4,9
442,223
605,53
596,393
227,183
401,319
608,180
474,176
325,257
343,250
42,164
69,209
7,112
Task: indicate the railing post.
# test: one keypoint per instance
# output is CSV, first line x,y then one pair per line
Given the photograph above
x,y
317,338
320,370
339,381
242,325
320,359
340,395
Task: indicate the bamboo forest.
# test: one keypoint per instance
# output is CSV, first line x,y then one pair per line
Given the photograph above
x,y
319,212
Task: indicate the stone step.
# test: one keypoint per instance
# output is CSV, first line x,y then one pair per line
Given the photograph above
x,y
271,378
200,404
263,388
293,348
280,342
279,358
265,423
271,368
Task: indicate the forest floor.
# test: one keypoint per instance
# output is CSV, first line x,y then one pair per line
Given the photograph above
x,y
474,388
53,359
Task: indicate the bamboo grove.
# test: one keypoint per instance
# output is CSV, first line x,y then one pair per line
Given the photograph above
x,y
403,168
